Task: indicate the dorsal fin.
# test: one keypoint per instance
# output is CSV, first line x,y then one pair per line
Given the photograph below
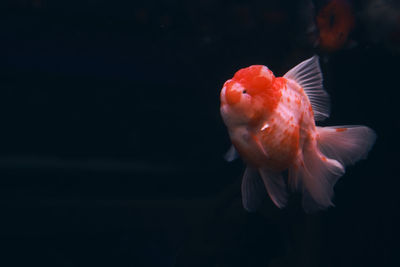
x,y
308,75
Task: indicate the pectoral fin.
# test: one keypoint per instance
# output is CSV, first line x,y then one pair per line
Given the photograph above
x,y
259,144
231,154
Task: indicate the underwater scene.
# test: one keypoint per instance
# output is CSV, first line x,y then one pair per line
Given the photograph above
x,y
173,133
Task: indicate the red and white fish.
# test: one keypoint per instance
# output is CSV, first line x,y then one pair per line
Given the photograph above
x,y
271,123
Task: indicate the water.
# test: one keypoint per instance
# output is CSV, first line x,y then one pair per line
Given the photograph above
x,y
112,144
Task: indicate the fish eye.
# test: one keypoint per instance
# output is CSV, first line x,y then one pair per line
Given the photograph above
x,y
244,92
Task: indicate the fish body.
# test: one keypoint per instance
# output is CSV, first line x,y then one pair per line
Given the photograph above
x,y
271,123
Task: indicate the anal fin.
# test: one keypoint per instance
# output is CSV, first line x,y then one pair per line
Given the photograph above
x,y
275,186
253,191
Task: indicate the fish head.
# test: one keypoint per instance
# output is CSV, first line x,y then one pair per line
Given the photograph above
x,y
245,98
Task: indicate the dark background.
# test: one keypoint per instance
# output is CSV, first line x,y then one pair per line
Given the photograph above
x,y
111,142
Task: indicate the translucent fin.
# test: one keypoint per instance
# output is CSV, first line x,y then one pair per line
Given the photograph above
x,y
347,144
293,174
317,175
275,186
253,191
231,154
308,75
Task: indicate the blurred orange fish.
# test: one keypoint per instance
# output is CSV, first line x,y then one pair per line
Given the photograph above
x,y
335,22
271,123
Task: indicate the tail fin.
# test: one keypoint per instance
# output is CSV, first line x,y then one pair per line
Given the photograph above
x,y
321,165
317,175
347,144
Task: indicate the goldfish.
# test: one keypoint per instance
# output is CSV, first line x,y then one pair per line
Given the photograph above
x,y
335,22
271,124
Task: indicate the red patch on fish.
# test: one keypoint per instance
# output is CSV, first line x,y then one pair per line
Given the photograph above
x,y
341,129
259,81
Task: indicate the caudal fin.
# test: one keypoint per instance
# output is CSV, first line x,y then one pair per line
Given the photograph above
x,y
316,175
347,144
321,165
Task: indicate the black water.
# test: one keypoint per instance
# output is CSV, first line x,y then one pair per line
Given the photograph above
x,y
111,148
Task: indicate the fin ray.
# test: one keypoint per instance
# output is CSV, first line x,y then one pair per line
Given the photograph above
x,y
308,75
347,144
